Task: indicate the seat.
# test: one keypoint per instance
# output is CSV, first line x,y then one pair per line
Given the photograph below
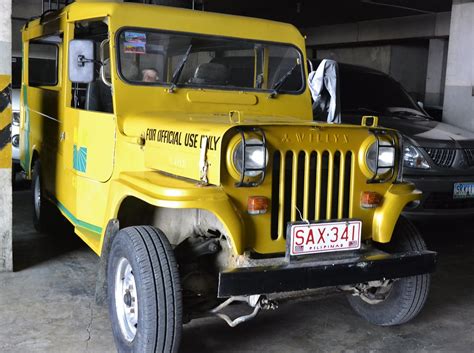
x,y
99,97
211,74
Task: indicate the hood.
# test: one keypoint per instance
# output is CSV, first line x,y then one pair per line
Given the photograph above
x,y
191,145
425,132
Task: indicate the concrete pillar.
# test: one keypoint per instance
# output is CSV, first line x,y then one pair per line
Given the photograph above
x,y
436,72
459,89
6,263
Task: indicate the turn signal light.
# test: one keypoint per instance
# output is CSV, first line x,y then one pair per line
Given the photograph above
x,y
370,199
257,205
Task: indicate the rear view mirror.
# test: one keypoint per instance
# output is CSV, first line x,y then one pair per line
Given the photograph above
x,y
81,61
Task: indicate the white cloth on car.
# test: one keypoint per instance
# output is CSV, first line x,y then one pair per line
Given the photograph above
x,y
324,87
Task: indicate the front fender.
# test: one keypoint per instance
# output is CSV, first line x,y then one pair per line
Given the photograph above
x,y
386,216
166,191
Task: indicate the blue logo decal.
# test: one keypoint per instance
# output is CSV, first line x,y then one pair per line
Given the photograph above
x,y
79,159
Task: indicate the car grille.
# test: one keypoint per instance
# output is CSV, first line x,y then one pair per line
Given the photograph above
x,y
309,185
469,152
442,157
444,200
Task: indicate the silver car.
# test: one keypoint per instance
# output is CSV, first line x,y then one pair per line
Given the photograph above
x,y
15,130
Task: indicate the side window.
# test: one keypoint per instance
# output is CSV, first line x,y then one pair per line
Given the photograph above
x,y
97,95
42,64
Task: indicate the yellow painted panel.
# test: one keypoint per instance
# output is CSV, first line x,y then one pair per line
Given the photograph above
x,y
238,98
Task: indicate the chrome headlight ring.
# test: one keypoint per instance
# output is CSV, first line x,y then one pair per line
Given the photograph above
x,y
250,157
383,157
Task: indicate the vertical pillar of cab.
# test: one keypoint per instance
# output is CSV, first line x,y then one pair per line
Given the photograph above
x,y
6,263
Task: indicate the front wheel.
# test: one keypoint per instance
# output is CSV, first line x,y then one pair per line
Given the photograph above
x,y
144,292
395,302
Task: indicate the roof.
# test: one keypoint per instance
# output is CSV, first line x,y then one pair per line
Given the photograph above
x,y
179,19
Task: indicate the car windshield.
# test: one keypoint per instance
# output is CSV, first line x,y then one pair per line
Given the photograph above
x,y
162,58
365,91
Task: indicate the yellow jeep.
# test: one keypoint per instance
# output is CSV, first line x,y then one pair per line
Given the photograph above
x,y
181,147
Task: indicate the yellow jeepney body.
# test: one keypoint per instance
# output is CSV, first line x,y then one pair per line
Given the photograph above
x,y
150,147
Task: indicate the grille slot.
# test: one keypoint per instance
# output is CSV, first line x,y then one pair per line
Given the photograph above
x,y
442,157
315,184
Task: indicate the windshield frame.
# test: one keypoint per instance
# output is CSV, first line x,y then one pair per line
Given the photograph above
x,y
212,87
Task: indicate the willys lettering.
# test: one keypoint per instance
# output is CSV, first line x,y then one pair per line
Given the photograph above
x,y
179,138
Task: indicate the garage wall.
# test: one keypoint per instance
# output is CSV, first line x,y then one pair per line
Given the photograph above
x,y
406,63
459,90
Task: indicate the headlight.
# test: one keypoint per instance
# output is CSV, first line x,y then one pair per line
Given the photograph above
x,y
385,160
16,119
16,141
412,158
255,159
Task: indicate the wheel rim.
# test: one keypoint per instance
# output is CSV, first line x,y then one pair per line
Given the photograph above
x,y
376,294
37,197
126,300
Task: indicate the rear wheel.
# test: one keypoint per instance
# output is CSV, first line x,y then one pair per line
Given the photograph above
x,y
144,292
42,208
395,302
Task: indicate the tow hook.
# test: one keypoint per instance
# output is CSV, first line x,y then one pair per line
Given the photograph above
x,y
257,302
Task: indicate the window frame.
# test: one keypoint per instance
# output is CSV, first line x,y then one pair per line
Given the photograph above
x,y
56,66
215,87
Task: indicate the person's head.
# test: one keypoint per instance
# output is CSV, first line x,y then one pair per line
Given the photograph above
x,y
150,75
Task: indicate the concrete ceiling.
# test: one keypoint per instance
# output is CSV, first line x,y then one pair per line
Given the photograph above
x,y
308,13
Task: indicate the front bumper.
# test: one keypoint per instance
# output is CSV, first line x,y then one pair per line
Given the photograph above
x,y
333,270
437,196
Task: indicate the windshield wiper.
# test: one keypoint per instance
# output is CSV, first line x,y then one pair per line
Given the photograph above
x,y
179,70
279,84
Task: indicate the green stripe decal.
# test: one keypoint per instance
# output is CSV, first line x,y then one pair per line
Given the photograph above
x,y
78,222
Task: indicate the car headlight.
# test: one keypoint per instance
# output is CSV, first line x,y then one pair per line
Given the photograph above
x,y
16,141
380,160
412,157
253,162
16,119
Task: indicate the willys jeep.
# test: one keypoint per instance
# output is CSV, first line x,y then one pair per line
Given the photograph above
x,y
181,147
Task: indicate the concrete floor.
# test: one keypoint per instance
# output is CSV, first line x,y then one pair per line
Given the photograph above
x,y
47,304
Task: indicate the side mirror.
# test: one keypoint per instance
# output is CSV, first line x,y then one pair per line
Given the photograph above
x,y
421,105
81,61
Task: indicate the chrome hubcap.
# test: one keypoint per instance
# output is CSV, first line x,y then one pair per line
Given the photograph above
x,y
37,197
126,301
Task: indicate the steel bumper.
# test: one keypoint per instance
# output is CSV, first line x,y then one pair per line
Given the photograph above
x,y
310,274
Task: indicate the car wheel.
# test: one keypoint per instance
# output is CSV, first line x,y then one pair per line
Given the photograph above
x,y
144,292
394,302
42,208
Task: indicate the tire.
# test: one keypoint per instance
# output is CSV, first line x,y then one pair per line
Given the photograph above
x,y
407,296
42,208
142,272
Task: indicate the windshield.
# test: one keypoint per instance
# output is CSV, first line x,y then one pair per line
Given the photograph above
x,y
162,58
372,92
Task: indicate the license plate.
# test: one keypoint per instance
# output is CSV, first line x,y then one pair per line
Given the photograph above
x,y
324,237
463,191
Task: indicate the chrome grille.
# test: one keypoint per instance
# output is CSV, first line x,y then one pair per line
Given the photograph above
x,y
469,156
312,185
442,157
